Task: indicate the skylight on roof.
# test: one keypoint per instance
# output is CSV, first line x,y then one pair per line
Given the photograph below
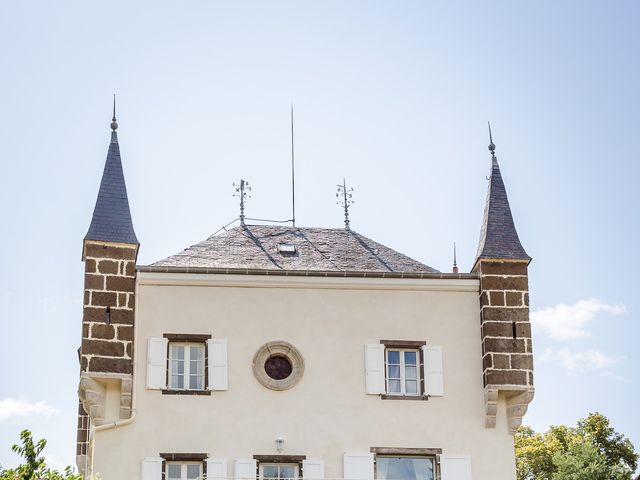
x,y
287,248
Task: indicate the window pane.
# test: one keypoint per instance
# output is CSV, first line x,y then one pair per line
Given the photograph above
x,y
394,371
193,471
196,382
410,358
177,367
269,471
197,353
177,381
411,373
173,471
195,367
287,472
388,468
411,386
393,356
177,352
394,386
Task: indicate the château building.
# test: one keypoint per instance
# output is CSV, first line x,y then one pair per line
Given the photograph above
x,y
280,352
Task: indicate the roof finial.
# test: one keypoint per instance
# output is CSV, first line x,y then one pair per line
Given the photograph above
x,y
344,196
114,124
242,190
455,259
492,147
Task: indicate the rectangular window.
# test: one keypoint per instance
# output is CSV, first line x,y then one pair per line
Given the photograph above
x,y
403,371
279,471
186,366
184,470
404,468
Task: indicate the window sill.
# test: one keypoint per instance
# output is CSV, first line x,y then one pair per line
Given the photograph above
x,y
186,392
386,396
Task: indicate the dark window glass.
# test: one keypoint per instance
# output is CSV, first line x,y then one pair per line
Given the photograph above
x,y
278,367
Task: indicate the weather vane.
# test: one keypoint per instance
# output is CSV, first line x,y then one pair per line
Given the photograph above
x,y
344,196
242,192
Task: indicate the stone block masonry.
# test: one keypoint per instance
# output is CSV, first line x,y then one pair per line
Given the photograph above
x,y
108,311
507,354
82,440
505,328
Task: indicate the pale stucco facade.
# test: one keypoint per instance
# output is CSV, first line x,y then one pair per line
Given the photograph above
x,y
328,413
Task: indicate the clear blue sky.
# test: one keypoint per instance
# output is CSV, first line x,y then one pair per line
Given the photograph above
x,y
392,95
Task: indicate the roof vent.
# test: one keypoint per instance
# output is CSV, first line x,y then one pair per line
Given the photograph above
x,y
287,249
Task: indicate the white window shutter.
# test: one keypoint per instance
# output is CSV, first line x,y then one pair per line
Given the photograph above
x,y
455,467
218,365
433,373
374,368
216,468
157,363
358,466
244,470
312,470
151,468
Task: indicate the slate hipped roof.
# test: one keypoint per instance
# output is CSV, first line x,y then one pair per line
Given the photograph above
x,y
498,236
111,220
256,247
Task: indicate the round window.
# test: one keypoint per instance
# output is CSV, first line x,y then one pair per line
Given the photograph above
x,y
278,365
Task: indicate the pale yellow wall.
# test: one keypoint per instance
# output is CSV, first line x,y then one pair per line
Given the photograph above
x,y
328,413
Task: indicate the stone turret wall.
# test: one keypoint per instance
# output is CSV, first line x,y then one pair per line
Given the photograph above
x,y
506,331
106,350
107,339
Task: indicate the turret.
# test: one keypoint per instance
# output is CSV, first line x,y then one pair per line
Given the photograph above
x,y
501,264
109,252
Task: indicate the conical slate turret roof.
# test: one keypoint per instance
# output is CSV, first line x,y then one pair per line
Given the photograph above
x,y
111,220
498,236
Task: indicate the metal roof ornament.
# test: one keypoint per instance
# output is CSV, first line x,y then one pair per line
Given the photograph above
x,y
114,124
345,200
242,192
455,259
492,147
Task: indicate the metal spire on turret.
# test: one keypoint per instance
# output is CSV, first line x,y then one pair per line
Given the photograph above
x,y
492,147
114,123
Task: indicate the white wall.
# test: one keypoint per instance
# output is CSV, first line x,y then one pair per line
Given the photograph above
x,y
328,412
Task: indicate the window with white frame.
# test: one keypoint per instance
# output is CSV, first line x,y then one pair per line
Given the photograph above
x,y
278,471
186,366
405,468
403,371
184,470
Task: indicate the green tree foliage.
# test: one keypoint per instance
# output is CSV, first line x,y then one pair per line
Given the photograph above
x,y
34,466
592,449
